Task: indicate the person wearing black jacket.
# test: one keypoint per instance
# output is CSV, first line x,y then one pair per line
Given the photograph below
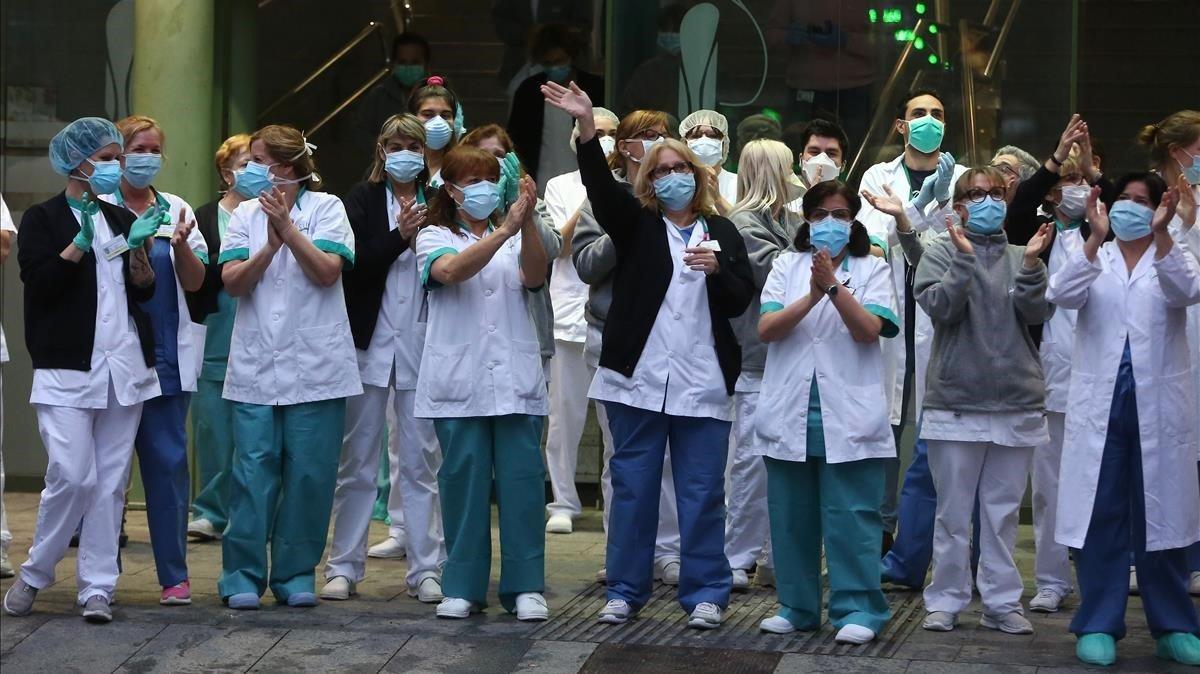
x,y
85,270
668,363
384,300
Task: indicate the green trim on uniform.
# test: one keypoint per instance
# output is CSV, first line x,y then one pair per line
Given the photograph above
x,y
335,248
202,256
768,307
876,241
891,324
427,281
233,254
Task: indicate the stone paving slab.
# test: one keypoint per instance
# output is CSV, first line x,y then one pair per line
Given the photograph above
x,y
184,649
71,645
328,650
435,654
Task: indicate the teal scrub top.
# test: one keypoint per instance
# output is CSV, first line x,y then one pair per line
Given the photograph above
x,y
816,430
220,323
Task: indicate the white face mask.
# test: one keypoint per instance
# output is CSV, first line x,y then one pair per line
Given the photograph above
x,y
819,169
1074,201
709,150
646,145
608,144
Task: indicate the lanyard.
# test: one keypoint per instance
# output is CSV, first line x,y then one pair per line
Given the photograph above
x,y
678,232
392,193
159,200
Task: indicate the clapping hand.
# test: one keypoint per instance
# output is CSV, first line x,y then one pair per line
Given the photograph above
x,y
522,209
410,218
822,271
958,236
945,177
1037,243
1165,211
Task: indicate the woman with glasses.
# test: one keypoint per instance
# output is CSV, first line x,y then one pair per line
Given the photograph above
x,y
668,363
985,401
826,487
1131,437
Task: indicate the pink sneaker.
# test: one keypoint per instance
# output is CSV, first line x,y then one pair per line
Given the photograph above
x,y
176,595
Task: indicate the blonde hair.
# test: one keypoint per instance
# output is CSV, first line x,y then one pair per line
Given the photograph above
x,y
643,186
405,125
287,146
1180,130
230,149
763,172
135,124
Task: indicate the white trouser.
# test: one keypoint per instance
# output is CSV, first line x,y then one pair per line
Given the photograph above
x,y
746,525
569,381
998,474
395,503
88,454
1052,564
414,471
5,534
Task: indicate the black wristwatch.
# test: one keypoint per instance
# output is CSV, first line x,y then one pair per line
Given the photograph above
x,y
832,291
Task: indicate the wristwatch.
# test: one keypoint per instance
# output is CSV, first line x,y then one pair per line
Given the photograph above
x,y
832,291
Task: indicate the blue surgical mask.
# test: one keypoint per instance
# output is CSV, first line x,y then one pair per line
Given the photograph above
x,y
669,42
829,234
105,178
1192,173
987,216
675,190
404,165
560,73
1130,220
437,133
925,133
481,199
254,179
242,184
141,168
408,73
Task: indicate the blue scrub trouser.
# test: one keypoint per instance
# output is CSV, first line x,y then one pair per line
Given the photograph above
x,y
161,444
1118,525
912,552
212,428
698,452
281,486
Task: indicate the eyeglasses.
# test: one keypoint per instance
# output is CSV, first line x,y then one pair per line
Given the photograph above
x,y
664,171
977,195
705,132
1006,169
842,214
647,134
1072,179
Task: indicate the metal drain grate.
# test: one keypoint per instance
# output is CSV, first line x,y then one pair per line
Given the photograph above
x,y
663,623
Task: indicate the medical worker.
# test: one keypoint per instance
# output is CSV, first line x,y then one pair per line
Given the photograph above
x,y
826,487
86,270
384,300
481,381
668,364
768,228
437,107
707,135
982,294
8,233
291,367
179,255
212,415
1130,435
569,371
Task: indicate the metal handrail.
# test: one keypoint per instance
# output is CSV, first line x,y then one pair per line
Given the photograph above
x,y
968,92
885,95
372,28
384,72
402,14
1001,38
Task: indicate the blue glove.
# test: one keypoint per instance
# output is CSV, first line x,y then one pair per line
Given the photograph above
x,y
146,226
945,177
925,196
87,228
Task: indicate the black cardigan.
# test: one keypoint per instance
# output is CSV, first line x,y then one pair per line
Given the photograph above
x,y
528,114
60,296
204,301
644,271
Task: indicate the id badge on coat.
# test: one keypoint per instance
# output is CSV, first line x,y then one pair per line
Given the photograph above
x,y
114,247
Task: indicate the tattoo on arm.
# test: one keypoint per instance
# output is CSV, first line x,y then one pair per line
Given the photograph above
x,y
140,270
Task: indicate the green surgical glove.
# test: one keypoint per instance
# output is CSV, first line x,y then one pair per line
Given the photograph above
x,y
87,231
146,226
510,179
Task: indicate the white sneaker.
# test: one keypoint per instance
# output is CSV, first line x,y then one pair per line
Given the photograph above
x,y
1046,600
669,572
939,621
428,591
741,580
338,588
1133,586
854,634
1009,623
615,612
203,530
6,569
777,625
705,616
1194,585
765,576
453,607
602,575
391,548
559,523
531,606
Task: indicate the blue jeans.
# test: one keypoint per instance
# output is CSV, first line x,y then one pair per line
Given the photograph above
x,y
161,444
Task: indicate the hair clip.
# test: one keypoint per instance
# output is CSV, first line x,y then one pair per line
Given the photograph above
x,y
435,81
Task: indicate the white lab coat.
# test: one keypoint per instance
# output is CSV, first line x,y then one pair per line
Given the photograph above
x,y
291,337
564,195
1149,308
882,228
1058,335
850,375
7,225
1190,237
727,185
189,334
481,356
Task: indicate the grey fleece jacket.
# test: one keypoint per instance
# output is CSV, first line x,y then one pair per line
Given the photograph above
x,y
765,239
540,309
595,257
981,305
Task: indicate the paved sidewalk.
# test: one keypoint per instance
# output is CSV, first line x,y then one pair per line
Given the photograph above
x,y
384,630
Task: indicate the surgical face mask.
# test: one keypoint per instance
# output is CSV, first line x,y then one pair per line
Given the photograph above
x,y
1130,220
141,168
669,42
675,190
709,150
242,184
404,165
829,234
987,216
925,134
480,200
254,179
1192,173
646,145
1074,201
437,133
408,73
558,73
608,144
819,169
105,178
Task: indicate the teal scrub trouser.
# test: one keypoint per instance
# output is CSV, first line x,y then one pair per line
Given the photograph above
x,y
212,428
281,490
840,500
477,452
